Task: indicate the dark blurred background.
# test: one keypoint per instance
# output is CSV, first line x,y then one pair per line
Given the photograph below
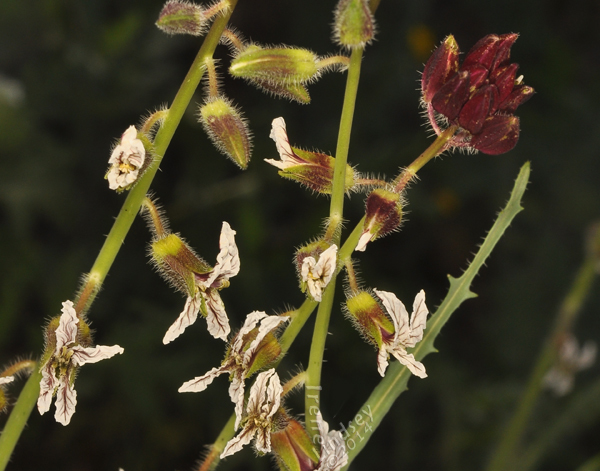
x,y
74,75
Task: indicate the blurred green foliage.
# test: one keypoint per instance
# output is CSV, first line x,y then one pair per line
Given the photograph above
x,y
74,75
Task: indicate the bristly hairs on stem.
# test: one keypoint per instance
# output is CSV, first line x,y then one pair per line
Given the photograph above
x,y
352,280
333,63
21,368
234,40
153,121
212,82
153,214
295,382
90,286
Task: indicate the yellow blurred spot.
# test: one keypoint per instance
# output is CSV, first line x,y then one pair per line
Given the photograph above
x,y
446,201
421,41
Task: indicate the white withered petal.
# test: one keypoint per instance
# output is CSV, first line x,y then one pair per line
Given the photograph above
x,y
126,160
317,275
287,155
58,371
333,449
408,332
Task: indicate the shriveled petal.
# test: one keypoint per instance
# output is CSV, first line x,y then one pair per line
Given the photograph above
x,y
317,275
83,355
327,263
250,323
237,443
48,384
398,313
333,450
187,317
228,260
416,367
265,394
200,383
66,332
364,239
266,325
66,400
216,317
418,320
274,392
286,154
6,379
262,440
236,393
382,360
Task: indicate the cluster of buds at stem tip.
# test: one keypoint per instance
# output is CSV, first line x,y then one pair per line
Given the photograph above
x,y
183,17
313,170
390,329
128,161
227,129
383,215
480,95
282,71
353,24
68,341
179,265
316,264
254,347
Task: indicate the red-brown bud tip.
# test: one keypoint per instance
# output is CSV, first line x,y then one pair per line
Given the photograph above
x,y
499,134
442,64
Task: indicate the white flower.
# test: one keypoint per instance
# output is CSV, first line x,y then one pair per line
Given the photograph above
x,y
206,295
263,403
6,379
58,372
571,359
239,360
288,157
317,275
126,160
407,333
333,450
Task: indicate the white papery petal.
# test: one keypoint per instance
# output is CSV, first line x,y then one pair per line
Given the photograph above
x,y
274,392
416,367
382,360
200,383
286,154
250,323
364,239
187,317
216,317
7,379
48,384
418,319
398,313
83,355
237,443
126,160
228,260
317,275
66,400
333,449
66,332
236,393
262,440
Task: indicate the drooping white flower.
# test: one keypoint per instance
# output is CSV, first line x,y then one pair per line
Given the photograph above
x,y
408,332
317,275
240,359
571,359
126,160
6,379
206,296
58,371
263,403
288,157
333,449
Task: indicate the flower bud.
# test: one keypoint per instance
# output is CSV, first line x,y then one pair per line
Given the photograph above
x,y
311,169
476,110
293,448
181,17
452,95
498,135
277,65
369,318
383,215
267,352
292,91
353,25
227,129
442,64
177,262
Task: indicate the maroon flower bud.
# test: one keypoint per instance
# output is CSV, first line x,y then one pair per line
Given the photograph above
x,y
473,114
498,135
382,216
483,52
442,64
518,96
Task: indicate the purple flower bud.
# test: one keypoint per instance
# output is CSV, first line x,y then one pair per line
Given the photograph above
x,y
442,64
452,96
498,135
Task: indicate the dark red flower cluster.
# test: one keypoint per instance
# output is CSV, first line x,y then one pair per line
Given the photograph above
x,y
480,96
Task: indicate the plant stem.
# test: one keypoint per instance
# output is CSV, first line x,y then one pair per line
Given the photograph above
x,y
18,417
507,448
336,211
131,206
